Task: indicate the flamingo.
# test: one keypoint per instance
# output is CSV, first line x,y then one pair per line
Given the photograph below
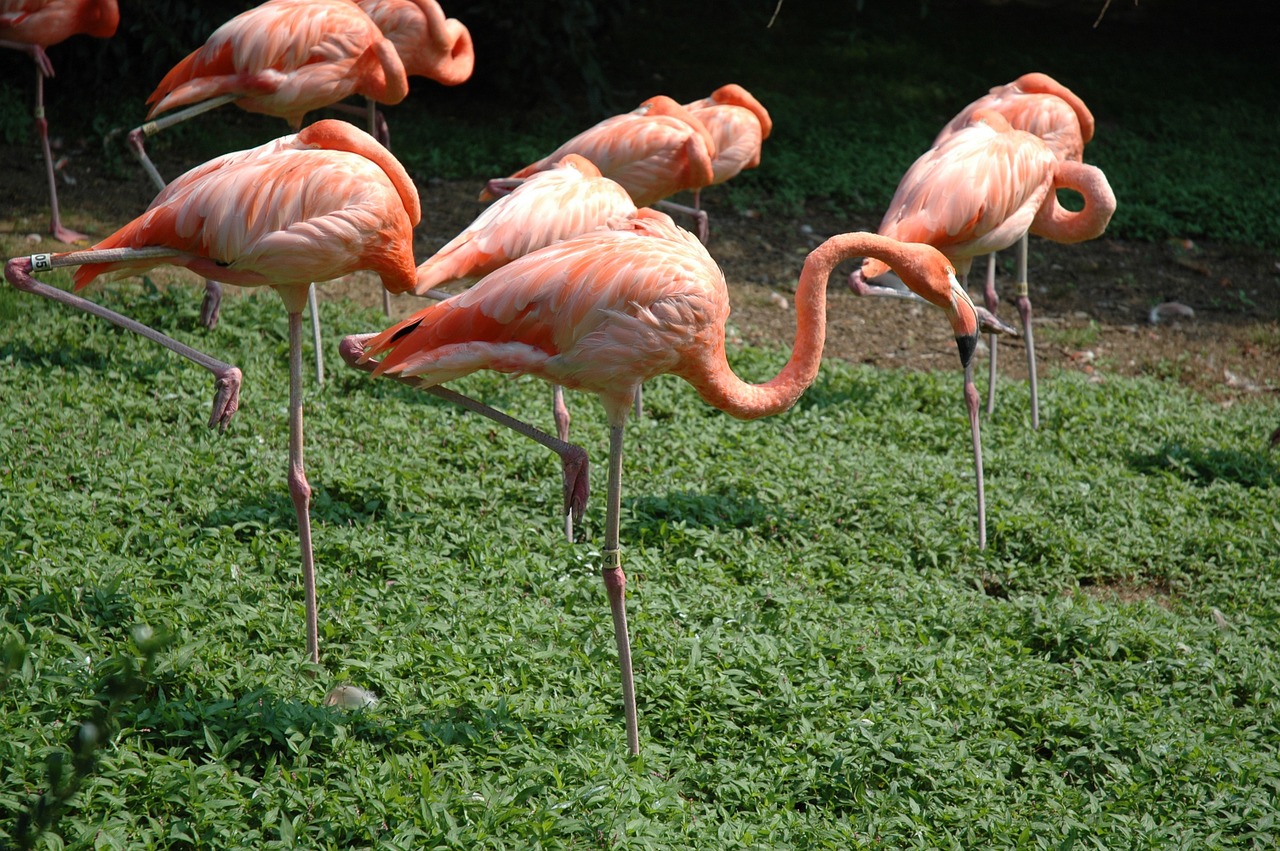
x,y
429,45
33,25
608,310
1041,105
979,191
654,151
283,58
738,124
307,207
568,199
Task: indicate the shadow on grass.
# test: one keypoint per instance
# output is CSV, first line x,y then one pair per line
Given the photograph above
x,y
1255,469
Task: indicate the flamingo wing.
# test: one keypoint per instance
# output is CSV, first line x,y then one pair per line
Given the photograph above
x,y
568,200
738,137
287,57
47,22
601,312
284,213
977,192
651,156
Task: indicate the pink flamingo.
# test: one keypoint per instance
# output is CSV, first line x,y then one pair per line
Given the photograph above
x,y
738,124
429,44
564,201
654,151
309,207
33,25
608,310
1040,105
283,58
979,191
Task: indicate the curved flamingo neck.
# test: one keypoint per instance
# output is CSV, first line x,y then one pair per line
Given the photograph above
x,y
1043,84
1053,221
716,382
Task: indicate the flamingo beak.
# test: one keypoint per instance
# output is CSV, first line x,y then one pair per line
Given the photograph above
x,y
964,320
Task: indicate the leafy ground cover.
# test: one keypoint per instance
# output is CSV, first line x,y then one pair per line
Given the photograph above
x,y
825,659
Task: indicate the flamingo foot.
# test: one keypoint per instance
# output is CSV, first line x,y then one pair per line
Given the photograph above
x,y
226,398
211,306
67,235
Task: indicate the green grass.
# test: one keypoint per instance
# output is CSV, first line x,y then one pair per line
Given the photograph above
x,y
825,659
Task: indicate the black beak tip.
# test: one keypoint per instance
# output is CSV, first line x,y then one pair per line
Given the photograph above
x,y
967,345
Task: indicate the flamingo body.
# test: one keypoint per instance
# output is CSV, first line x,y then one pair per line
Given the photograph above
x,y
44,23
1040,105
429,44
307,207
654,151
286,58
738,124
564,201
983,187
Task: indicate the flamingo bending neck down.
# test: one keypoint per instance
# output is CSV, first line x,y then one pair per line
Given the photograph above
x,y
610,309
1040,105
979,191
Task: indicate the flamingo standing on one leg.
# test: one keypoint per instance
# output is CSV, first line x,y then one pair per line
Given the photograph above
x,y
738,124
310,207
654,151
33,25
283,58
979,191
567,200
429,44
608,310
1040,105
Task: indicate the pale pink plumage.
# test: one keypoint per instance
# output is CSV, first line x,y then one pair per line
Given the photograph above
x,y
654,151
307,207
608,310
564,201
1040,105
983,187
287,58
738,124
429,44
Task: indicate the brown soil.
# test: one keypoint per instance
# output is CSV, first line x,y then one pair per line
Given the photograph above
x,y
1092,301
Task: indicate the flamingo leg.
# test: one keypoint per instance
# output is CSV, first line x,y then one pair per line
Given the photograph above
x,y
615,584
992,302
313,307
299,487
137,137
226,377
1024,311
573,459
60,233
971,403
699,215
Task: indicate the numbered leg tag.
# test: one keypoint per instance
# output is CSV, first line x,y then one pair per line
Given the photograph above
x,y
41,262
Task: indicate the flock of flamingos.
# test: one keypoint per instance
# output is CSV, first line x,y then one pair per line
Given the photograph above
x,y
578,278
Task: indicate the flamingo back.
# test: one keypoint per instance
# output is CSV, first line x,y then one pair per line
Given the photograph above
x,y
1039,105
602,312
977,192
570,199
288,212
288,57
48,22
655,151
429,44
